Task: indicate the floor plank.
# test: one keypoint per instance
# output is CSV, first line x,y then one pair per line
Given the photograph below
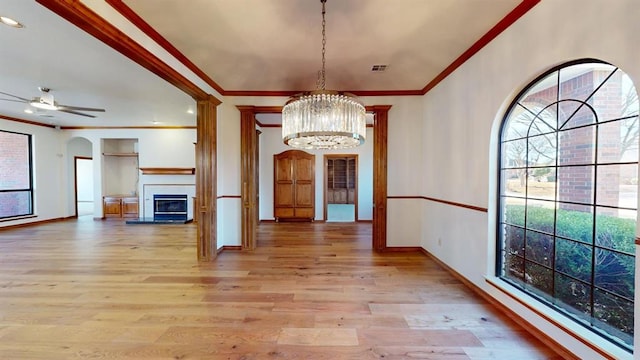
x,y
103,289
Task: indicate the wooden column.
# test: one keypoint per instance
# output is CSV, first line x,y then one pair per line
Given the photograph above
x,y
380,133
206,178
249,168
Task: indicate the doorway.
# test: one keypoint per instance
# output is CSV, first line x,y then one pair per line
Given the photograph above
x,y
341,188
83,173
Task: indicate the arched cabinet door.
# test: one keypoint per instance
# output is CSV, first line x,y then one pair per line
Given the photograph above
x,y
294,185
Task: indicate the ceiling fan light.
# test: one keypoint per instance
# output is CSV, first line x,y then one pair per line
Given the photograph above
x,y
38,103
45,102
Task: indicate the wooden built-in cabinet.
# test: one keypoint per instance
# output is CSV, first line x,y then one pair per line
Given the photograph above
x,y
120,206
341,180
294,185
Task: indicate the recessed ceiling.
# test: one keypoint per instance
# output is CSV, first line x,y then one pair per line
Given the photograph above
x,y
241,45
275,45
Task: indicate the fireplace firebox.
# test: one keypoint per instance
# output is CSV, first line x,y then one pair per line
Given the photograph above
x,y
168,207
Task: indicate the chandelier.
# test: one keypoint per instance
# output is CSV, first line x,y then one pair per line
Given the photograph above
x,y
323,119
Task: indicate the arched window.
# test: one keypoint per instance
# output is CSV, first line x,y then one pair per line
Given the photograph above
x,y
568,195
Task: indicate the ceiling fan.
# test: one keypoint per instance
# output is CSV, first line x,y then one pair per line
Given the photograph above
x,y
46,102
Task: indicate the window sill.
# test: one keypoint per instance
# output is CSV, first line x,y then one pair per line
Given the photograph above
x,y
590,339
18,218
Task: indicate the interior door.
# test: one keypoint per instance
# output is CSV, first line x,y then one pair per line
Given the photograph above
x,y
304,189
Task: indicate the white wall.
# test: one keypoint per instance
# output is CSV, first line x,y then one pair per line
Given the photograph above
x,y
460,130
50,178
156,148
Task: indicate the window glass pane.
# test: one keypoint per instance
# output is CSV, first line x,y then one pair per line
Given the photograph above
x,y
513,211
615,314
617,185
542,93
629,97
541,183
514,240
541,150
572,114
525,122
539,248
616,229
574,258
574,296
513,182
618,141
514,267
540,215
577,82
614,272
14,161
575,184
577,146
575,222
540,278
514,154
15,203
615,98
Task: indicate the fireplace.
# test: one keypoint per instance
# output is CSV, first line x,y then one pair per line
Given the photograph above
x,y
169,207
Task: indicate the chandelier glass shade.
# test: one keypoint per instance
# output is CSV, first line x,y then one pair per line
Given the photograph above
x,y
323,119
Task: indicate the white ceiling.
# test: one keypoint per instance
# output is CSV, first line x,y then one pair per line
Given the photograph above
x,y
242,45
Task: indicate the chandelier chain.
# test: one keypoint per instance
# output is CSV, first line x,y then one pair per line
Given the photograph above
x,y
324,43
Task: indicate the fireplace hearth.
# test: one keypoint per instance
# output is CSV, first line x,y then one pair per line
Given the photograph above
x,y
167,209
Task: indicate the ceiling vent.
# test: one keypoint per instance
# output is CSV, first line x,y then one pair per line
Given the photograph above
x,y
379,68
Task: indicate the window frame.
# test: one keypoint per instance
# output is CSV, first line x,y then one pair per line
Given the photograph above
x,y
30,189
501,246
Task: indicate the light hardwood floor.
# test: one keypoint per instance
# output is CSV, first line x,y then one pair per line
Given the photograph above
x,y
103,289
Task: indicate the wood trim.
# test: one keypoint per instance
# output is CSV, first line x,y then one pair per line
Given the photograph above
x,y
206,179
40,222
136,20
496,30
637,241
268,125
248,169
380,144
18,218
549,319
168,171
403,249
125,127
229,248
453,203
365,221
325,164
86,19
10,118
229,197
289,93
540,335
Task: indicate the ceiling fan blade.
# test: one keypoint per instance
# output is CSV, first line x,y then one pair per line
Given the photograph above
x,y
17,97
76,113
20,101
71,108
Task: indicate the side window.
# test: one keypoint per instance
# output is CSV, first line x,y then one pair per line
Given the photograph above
x,y
16,185
568,195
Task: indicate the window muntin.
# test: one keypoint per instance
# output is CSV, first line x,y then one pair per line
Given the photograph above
x,y
16,189
568,195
